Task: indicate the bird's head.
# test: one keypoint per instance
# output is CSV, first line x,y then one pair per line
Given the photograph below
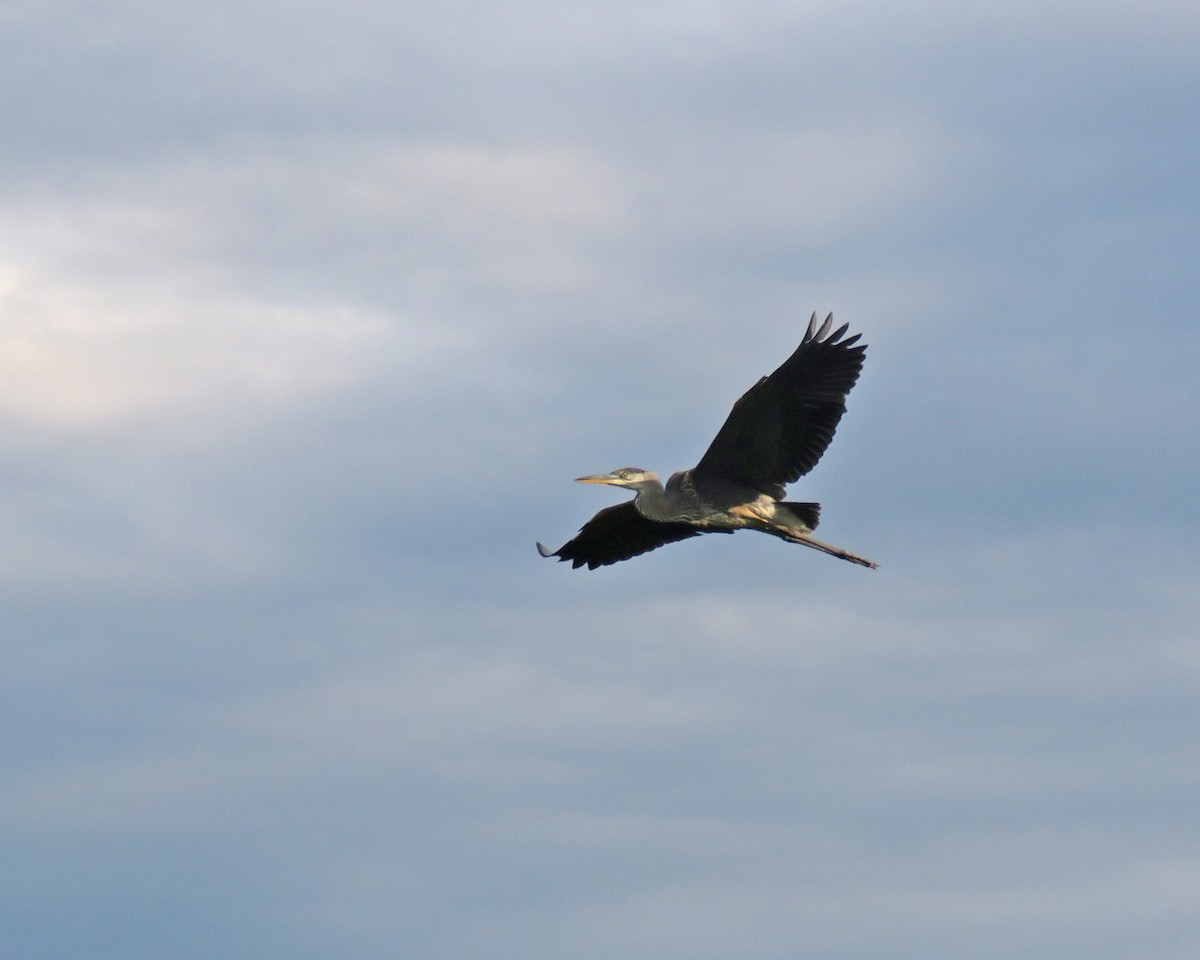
x,y
633,477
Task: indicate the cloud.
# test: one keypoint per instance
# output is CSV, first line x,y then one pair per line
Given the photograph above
x,y
132,290
84,356
309,315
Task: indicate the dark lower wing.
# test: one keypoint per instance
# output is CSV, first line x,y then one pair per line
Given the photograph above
x,y
618,533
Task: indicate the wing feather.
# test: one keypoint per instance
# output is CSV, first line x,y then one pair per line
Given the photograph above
x,y
618,533
778,429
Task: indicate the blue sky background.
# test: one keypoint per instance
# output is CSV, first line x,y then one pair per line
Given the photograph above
x,y
309,313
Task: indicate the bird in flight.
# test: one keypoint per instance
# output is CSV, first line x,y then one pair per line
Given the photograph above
x,y
774,435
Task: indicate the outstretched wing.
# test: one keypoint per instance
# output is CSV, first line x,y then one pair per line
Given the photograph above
x,y
618,533
780,427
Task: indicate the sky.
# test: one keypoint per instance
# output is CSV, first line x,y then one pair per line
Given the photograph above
x,y
311,311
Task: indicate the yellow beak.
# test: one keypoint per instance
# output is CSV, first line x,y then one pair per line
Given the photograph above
x,y
598,478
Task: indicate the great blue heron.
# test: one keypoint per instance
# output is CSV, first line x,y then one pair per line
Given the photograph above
x,y
774,435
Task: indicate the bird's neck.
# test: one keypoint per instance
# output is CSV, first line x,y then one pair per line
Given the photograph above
x,y
651,500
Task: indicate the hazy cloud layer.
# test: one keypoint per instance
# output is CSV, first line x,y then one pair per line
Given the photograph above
x,y
310,313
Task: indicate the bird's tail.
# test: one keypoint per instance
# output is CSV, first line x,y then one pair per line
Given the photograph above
x,y
795,536
806,514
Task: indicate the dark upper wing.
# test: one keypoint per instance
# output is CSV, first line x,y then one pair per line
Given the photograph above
x,y
780,427
618,533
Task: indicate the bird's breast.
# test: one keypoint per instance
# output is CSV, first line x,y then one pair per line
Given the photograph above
x,y
761,509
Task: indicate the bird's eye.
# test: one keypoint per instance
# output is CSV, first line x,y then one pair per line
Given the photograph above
x,y
623,474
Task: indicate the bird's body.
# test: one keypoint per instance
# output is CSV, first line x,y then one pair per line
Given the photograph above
x,y
710,502
775,434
